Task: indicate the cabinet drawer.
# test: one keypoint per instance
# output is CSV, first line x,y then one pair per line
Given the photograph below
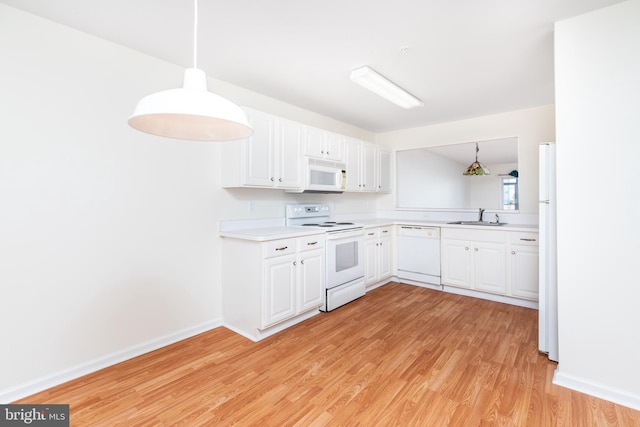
x,y
524,238
371,233
308,243
279,247
492,236
384,231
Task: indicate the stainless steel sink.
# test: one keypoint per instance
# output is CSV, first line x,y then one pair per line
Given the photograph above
x,y
486,223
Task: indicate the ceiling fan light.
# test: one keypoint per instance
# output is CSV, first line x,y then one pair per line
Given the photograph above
x,y
191,113
380,85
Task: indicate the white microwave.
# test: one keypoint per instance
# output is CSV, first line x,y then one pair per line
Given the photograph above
x,y
322,176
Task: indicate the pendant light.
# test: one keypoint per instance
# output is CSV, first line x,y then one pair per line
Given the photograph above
x,y
191,112
476,167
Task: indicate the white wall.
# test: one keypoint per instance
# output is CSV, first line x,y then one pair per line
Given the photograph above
x,y
531,126
421,169
108,237
598,137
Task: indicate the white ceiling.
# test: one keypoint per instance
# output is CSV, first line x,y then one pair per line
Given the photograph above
x,y
465,58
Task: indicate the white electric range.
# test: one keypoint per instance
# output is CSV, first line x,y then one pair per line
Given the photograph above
x,y
344,252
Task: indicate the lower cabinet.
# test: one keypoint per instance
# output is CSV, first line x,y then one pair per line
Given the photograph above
x,y
475,263
497,262
523,265
378,254
268,283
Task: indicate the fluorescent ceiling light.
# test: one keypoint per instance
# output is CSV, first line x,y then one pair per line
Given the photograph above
x,y
376,83
191,112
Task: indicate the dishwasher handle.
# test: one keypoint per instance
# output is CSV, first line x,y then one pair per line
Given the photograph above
x,y
419,231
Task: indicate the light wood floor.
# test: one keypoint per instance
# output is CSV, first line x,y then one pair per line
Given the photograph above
x,y
400,356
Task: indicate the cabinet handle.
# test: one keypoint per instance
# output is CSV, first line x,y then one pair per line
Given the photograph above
x,y
466,248
328,152
321,151
385,231
272,179
280,179
301,261
475,249
513,252
370,234
282,248
312,243
295,263
528,240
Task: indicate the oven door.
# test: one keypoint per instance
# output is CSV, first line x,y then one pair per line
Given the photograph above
x,y
345,256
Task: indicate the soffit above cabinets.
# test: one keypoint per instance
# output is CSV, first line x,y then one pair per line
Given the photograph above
x,y
463,59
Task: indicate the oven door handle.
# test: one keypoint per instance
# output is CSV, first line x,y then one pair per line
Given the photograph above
x,y
344,234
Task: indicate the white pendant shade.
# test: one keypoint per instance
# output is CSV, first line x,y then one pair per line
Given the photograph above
x,y
191,112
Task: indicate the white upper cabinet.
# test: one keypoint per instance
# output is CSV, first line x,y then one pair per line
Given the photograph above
x,y
361,161
288,164
321,144
270,158
384,171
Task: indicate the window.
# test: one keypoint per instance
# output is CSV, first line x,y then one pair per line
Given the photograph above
x,y
510,193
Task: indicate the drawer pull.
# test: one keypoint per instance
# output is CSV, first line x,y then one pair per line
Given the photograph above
x,y
282,248
370,234
528,240
385,231
513,252
311,243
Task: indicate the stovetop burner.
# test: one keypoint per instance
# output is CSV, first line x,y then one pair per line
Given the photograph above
x,y
315,215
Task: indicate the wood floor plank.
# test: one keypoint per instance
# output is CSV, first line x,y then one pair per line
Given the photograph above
x,y
400,356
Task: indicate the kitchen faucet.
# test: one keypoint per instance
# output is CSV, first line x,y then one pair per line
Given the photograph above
x,y
481,211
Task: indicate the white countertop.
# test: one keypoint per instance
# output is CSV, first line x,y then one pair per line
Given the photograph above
x,y
264,234
270,233
378,222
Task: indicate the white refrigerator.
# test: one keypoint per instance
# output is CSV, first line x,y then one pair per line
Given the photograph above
x,y
548,302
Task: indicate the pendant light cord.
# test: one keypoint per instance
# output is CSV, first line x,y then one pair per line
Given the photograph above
x,y
195,33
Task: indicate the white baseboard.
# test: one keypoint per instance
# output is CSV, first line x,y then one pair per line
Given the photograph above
x,y
36,386
598,390
491,297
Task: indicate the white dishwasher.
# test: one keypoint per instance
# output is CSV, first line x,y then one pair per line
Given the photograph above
x,y
419,254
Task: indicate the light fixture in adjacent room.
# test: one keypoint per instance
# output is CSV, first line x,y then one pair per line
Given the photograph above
x,y
476,168
380,85
191,112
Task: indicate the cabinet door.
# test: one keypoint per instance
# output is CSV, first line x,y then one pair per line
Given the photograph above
x,y
289,165
311,279
523,262
456,263
370,261
259,151
333,147
369,167
384,171
385,255
489,264
314,143
279,289
352,160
